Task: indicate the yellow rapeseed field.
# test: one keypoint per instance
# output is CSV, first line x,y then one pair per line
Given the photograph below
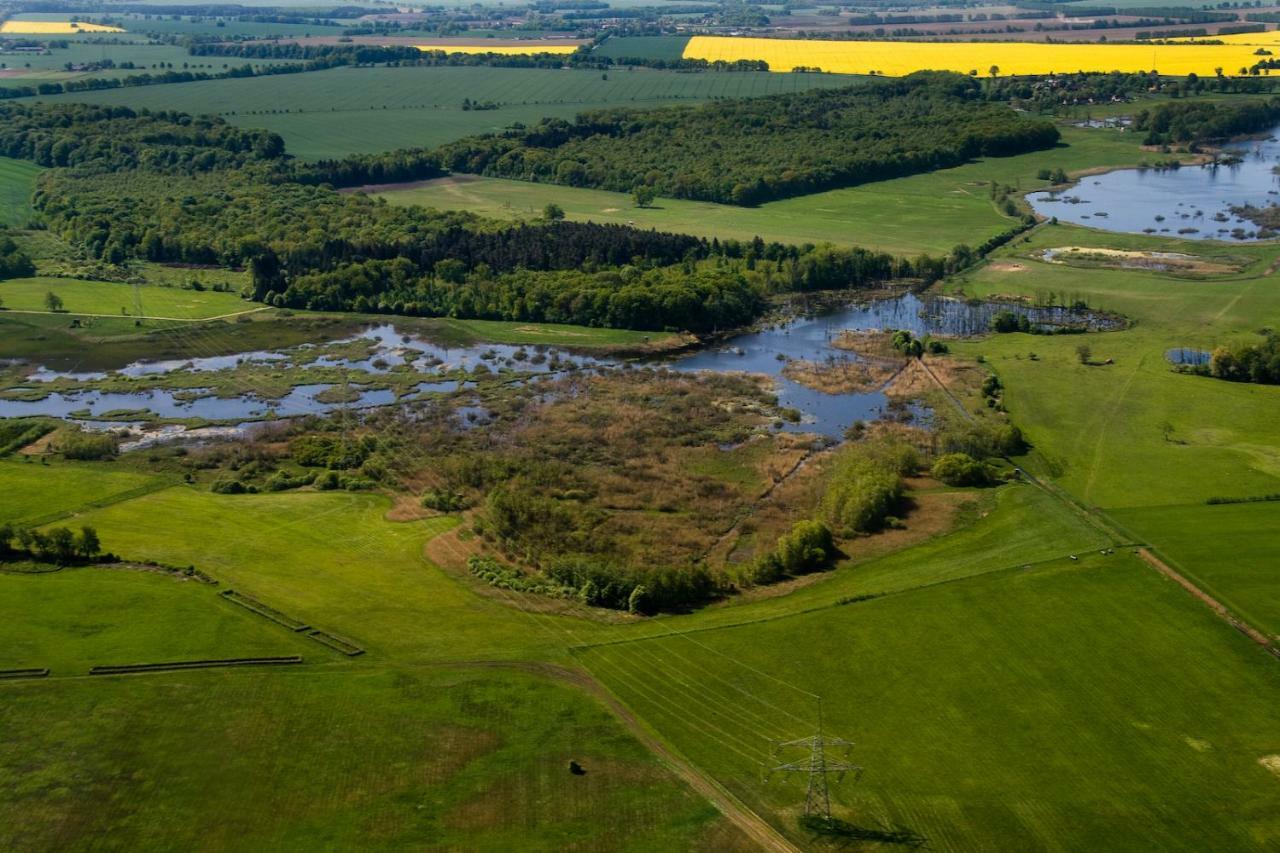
x,y
504,50
899,58
53,28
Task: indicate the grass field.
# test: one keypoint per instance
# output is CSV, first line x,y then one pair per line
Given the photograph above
x,y
985,715
1099,428
1229,548
71,620
1146,444
17,180
103,297
923,213
382,759
349,110
34,492
145,57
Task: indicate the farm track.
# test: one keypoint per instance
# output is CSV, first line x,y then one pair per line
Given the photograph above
x,y
1212,603
755,827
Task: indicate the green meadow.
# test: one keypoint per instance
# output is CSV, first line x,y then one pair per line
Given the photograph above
x,y
17,180
333,757
110,298
929,213
1144,443
1068,706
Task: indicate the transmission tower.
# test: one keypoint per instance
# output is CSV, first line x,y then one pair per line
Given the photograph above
x,y
817,800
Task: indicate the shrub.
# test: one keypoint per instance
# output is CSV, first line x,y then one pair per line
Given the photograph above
x,y
866,484
960,469
89,445
808,546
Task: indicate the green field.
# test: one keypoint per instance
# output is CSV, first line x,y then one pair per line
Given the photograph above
x,y
145,57
643,47
927,213
1074,706
1100,430
110,298
17,180
35,493
61,621
337,758
358,110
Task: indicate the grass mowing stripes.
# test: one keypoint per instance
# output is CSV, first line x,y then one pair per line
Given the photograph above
x,y
981,716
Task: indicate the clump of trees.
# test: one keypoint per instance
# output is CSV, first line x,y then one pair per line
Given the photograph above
x,y
14,263
1244,362
960,469
865,484
58,545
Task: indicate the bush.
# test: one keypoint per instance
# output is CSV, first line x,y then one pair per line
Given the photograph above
x,y
960,469
807,547
866,484
89,445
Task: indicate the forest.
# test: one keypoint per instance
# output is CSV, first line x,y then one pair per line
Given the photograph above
x,y
171,188
750,151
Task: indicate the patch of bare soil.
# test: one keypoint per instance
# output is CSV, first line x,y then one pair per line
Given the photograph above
x,y
408,508
1173,263
1006,266
839,376
41,445
1271,762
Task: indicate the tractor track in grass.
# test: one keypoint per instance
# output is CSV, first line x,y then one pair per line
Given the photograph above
x,y
1212,603
734,810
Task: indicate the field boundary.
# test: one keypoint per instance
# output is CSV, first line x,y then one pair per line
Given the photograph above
x,y
338,644
100,503
266,611
130,668
1224,612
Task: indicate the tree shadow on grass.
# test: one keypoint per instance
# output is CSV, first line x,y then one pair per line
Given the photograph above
x,y
842,833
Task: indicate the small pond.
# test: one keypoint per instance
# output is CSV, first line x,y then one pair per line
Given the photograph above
x,y
1186,355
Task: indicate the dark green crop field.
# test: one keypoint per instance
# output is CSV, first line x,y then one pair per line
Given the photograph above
x,y
360,110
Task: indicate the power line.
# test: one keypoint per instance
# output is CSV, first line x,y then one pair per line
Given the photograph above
x,y
817,798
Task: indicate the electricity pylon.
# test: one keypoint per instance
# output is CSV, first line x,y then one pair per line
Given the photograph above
x,y
817,799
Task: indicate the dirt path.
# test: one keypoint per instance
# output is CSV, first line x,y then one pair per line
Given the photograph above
x,y
1216,606
755,827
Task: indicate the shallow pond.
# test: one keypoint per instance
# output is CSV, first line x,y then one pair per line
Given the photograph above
x,y
384,348
1186,355
1191,202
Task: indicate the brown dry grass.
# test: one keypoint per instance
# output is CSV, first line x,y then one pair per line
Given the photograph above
x,y
839,376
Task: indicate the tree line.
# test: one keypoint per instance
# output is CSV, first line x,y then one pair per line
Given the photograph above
x,y
1200,121
754,150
